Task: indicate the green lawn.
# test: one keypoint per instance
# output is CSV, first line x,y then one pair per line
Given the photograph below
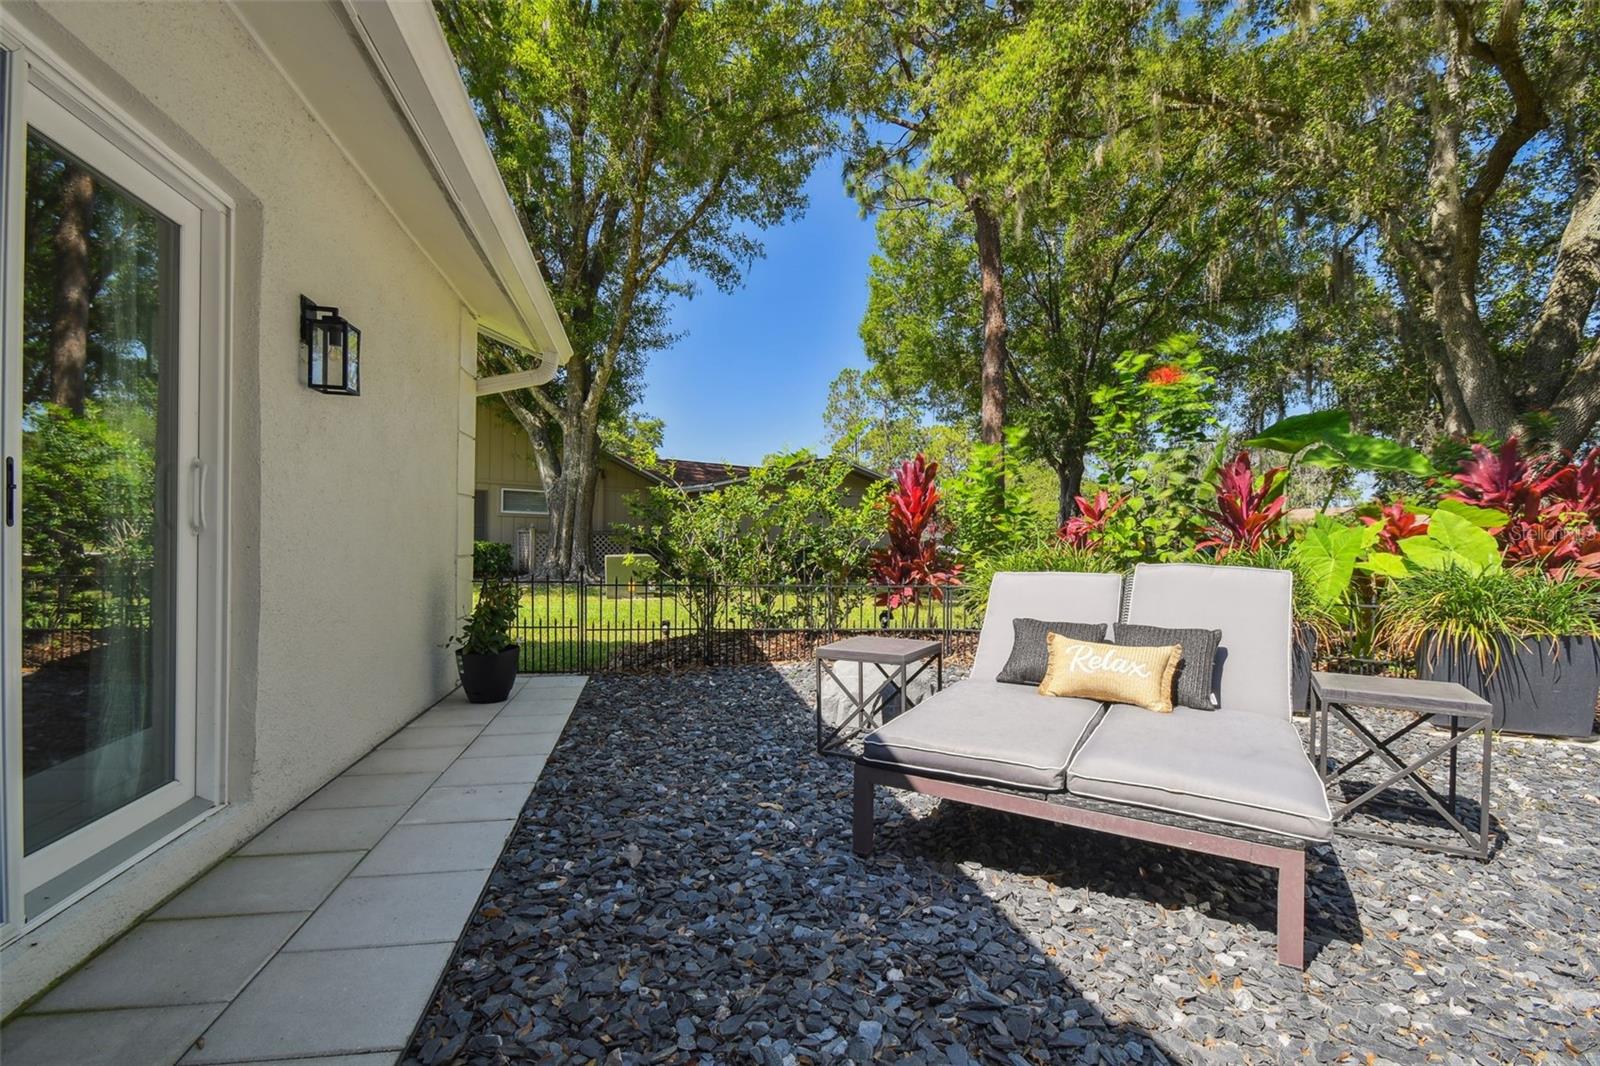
x,y
551,620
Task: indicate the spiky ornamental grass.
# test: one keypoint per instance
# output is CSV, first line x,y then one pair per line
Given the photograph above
x,y
1475,611
1054,557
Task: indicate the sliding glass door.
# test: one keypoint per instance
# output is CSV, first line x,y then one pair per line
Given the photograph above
x,y
106,500
101,547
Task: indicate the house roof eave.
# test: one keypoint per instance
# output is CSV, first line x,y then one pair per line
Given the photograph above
x,y
380,78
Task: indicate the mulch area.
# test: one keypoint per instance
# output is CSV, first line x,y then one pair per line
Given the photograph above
x,y
681,889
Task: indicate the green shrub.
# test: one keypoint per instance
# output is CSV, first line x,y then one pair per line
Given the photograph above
x,y
1156,437
1475,610
1052,557
487,630
792,521
490,558
989,510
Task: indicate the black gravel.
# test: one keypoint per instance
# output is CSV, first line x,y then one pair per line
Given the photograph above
x,y
681,889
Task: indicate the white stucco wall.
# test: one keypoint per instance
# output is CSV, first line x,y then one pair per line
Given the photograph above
x,y
346,513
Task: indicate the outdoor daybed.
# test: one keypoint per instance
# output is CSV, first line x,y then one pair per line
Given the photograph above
x,y
1233,780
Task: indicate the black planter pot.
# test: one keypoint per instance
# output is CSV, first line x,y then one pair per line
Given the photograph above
x,y
1305,651
488,678
1544,686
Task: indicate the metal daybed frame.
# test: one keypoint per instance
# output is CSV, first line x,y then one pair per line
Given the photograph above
x,y
1285,854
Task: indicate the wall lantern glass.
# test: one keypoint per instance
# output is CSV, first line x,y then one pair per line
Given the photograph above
x,y
331,348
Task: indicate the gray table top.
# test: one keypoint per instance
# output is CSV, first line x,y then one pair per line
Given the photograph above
x,y
1401,693
892,650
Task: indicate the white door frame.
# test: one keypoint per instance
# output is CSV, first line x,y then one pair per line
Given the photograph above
x,y
43,91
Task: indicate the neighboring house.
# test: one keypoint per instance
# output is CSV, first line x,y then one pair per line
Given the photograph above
x,y
510,505
267,595
510,496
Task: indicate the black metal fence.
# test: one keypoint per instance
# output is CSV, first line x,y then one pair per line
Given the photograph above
x,y
587,626
66,615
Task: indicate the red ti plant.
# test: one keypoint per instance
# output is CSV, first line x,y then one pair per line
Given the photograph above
x,y
1084,529
1248,512
1552,506
914,557
1508,481
1398,524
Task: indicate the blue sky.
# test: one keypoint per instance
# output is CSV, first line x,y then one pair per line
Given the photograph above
x,y
750,374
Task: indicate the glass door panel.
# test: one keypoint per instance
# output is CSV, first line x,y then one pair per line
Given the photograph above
x,y
99,420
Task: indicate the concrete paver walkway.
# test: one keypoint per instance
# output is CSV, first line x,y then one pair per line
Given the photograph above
x,y
321,940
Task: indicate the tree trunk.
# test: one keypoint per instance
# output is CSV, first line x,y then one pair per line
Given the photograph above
x,y
571,496
1069,486
1573,415
69,332
1477,371
1416,328
1557,336
992,416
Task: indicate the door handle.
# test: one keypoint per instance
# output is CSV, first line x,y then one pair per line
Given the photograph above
x,y
11,490
197,477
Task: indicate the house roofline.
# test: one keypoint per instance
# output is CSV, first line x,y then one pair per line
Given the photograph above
x,y
644,472
409,50
379,77
867,472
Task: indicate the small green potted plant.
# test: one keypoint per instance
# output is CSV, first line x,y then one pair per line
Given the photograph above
x,y
1523,640
484,651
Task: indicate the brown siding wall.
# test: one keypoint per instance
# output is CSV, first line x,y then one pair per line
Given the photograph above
x,y
505,461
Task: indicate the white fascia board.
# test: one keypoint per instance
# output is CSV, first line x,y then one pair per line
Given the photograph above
x,y
521,379
409,49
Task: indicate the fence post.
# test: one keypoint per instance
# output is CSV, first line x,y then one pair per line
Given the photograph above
x,y
710,622
944,638
583,622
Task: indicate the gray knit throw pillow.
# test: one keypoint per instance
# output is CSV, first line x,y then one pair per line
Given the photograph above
x,y
1192,687
1030,655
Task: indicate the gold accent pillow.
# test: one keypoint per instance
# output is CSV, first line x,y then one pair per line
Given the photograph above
x,y
1115,673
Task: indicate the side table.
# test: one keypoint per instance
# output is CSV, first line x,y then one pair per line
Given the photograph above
x,y
893,658
1336,696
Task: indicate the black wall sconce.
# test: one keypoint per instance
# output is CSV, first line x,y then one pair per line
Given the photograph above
x,y
332,350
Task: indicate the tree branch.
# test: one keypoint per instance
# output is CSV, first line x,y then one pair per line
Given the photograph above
x,y
1529,118
1568,302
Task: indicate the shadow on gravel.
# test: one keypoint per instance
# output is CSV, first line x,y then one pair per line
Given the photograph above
x,y
1403,812
680,888
1078,862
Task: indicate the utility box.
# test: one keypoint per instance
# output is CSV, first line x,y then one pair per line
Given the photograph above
x,y
626,572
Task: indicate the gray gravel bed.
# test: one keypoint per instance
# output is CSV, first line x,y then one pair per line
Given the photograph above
x,y
681,889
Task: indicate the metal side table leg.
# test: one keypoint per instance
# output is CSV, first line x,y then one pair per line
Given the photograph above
x,y
1484,820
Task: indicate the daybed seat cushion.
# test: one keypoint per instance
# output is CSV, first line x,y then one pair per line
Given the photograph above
x,y
987,731
1224,766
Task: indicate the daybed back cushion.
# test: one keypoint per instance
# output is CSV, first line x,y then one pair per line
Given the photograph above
x,y
1054,597
1253,608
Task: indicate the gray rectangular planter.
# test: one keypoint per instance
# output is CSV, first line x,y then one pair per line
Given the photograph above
x,y
1304,651
1547,687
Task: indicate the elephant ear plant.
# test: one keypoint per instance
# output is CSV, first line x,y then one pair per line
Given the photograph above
x,y
487,655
